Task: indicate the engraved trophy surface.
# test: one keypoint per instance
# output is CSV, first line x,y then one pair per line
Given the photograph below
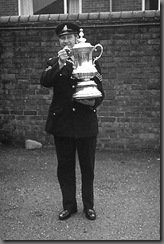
x,y
84,69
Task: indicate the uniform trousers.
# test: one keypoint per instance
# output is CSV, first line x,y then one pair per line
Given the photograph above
x,y
66,149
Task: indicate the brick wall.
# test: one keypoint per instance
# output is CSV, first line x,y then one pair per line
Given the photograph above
x,y
8,7
129,117
89,6
126,5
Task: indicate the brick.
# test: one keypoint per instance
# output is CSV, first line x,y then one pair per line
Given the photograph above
x,y
4,112
30,112
109,119
154,42
8,76
147,136
16,112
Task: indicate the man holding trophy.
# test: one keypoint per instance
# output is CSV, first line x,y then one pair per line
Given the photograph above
x,y
77,91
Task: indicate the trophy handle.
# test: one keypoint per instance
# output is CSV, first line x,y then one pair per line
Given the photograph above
x,y
94,49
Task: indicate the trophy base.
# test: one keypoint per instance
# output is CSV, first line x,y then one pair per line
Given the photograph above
x,y
87,93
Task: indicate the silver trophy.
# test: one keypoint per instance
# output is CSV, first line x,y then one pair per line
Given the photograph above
x,y
84,68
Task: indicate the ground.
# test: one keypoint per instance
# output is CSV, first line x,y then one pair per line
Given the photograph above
x,y
127,197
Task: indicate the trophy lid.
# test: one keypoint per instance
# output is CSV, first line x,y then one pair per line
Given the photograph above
x,y
82,41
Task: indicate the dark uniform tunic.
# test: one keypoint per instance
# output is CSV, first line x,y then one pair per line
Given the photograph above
x,y
67,117
74,126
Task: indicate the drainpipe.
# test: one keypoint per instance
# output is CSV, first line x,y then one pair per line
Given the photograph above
x,y
110,6
65,6
143,5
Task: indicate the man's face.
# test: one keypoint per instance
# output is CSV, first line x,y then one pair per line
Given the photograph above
x,y
67,40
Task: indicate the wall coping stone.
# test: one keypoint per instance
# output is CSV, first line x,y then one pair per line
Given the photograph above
x,y
115,15
137,14
44,18
24,18
72,16
83,16
104,15
53,17
5,19
34,18
93,16
63,17
124,16
14,19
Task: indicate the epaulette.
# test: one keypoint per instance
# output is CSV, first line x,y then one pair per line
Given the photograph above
x,y
51,61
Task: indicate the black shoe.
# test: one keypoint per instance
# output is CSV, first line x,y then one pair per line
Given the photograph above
x,y
65,214
90,214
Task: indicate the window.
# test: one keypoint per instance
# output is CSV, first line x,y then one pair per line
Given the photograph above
x,y
30,7
37,7
150,5
72,6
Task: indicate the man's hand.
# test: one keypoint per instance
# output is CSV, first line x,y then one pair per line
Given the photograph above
x,y
63,56
89,102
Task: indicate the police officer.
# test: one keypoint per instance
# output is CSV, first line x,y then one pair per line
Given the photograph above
x,y
73,123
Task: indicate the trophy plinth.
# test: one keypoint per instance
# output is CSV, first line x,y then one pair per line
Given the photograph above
x,y
84,69
86,90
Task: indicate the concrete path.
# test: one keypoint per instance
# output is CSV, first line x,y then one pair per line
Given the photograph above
x,y
127,197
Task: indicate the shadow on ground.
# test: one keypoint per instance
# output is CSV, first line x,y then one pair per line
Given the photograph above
x,y
127,197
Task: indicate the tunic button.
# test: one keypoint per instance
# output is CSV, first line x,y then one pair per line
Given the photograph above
x,y
74,109
94,110
73,86
53,113
60,74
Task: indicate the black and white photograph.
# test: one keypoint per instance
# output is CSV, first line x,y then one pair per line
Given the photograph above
x,y
80,120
